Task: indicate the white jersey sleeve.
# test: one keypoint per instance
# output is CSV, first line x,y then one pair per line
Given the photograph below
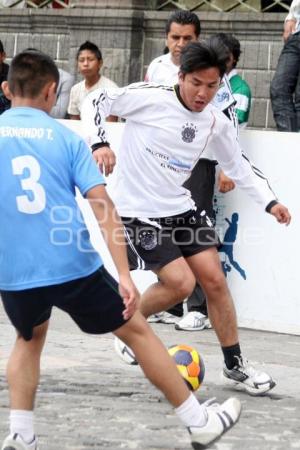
x,y
238,167
127,102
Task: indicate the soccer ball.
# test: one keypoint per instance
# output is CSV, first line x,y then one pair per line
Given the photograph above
x,y
189,363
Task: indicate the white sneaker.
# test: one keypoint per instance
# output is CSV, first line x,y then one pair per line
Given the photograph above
x,y
193,321
162,317
125,352
155,318
168,318
220,418
15,442
246,378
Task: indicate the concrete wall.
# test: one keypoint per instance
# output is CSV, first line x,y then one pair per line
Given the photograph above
x,y
130,38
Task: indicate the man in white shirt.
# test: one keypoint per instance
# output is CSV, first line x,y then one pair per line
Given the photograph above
x,y
183,27
285,86
167,130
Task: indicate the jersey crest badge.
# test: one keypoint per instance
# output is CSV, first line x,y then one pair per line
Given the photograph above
x,y
188,132
148,239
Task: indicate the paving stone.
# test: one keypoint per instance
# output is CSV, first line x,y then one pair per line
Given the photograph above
x,y
88,399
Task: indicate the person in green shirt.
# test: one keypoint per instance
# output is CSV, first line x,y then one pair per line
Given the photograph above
x,y
240,88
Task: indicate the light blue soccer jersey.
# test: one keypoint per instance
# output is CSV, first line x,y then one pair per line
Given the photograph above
x,y
43,237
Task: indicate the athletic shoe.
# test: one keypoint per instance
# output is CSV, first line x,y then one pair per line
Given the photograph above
x,y
155,318
15,442
168,318
246,378
162,317
220,418
124,352
193,321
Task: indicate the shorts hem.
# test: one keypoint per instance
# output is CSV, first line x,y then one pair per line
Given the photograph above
x,y
201,249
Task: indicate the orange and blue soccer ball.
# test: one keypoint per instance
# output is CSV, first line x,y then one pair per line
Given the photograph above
x,y
190,364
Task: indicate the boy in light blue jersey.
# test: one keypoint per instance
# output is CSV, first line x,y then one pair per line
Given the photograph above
x,y
46,258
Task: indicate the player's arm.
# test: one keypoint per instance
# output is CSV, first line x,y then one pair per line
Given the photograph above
x,y
122,102
246,176
104,157
113,232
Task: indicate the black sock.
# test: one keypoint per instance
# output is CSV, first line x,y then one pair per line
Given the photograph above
x,y
231,354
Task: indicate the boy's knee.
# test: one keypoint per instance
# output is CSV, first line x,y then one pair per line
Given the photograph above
x,y
215,281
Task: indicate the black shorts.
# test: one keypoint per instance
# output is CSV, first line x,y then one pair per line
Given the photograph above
x,y
154,243
93,302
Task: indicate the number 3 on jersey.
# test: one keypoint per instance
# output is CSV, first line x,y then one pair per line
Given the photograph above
x,y
37,201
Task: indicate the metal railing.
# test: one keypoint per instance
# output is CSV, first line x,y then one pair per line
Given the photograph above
x,y
226,5
34,3
162,5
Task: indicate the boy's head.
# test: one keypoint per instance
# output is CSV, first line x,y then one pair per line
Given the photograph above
x,y
203,64
233,46
89,59
204,55
182,27
29,72
32,76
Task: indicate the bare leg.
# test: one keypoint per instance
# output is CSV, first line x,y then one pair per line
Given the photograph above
x,y
176,282
207,269
156,363
23,369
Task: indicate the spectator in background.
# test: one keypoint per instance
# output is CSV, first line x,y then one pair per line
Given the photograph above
x,y
285,86
4,102
240,88
89,63
66,81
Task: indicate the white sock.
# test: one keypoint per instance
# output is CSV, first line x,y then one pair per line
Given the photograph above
x,y
191,413
21,422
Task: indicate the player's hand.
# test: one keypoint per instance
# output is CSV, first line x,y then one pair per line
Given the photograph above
x,y
225,184
106,159
130,296
281,213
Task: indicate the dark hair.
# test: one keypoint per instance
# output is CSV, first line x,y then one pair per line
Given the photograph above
x,y
232,43
29,72
1,47
87,45
204,55
184,18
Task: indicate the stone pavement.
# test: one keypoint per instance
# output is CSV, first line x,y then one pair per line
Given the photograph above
x,y
90,400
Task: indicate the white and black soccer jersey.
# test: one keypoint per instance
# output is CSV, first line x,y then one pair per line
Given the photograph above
x,y
161,143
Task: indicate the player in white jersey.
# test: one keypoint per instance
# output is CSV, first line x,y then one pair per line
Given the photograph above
x,y
44,265
183,27
166,132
